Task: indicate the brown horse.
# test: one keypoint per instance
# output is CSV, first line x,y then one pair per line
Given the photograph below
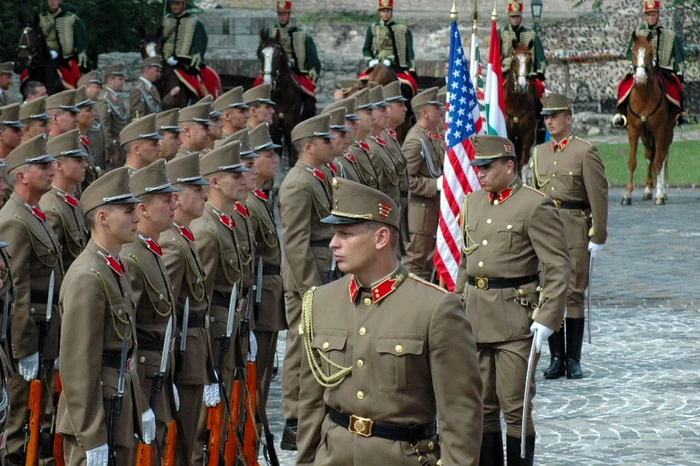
x,y
33,56
383,75
521,104
650,116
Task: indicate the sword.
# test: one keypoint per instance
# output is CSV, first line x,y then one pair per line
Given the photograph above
x,y
166,347
185,324
5,317
531,366
258,289
49,301
590,282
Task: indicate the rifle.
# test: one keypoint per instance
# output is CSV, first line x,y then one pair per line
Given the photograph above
x,y
176,436
116,405
144,454
32,425
251,429
57,438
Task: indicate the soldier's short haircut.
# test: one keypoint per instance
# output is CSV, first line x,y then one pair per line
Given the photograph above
x,y
394,232
11,177
90,216
31,87
299,145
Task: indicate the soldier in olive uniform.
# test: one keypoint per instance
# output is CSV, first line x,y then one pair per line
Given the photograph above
x,y
6,294
194,122
339,142
6,70
424,156
168,126
113,114
33,115
60,204
359,149
35,254
99,326
11,129
305,199
67,39
144,97
234,112
375,377
140,141
509,230
345,162
95,147
194,369
570,171
63,112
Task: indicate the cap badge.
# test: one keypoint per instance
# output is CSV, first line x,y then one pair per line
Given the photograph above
x,y
384,210
508,148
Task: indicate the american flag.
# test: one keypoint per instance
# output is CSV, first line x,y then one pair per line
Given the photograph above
x,y
459,179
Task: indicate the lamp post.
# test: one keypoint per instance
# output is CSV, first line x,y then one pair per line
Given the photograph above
x,y
536,8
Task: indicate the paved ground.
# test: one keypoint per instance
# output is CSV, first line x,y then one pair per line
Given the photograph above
x,y
639,403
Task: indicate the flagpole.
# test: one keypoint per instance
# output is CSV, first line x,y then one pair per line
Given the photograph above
x,y
494,13
473,64
453,12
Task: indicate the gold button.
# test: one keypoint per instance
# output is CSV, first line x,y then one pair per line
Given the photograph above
x,y
488,221
325,345
119,312
399,348
495,202
431,446
510,227
212,319
142,359
554,175
230,261
552,188
555,162
481,264
199,279
484,242
32,310
571,173
360,395
363,330
367,301
160,296
360,363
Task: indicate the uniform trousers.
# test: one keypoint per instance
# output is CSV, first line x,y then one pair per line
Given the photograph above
x,y
292,358
190,408
576,230
422,227
267,350
503,369
75,455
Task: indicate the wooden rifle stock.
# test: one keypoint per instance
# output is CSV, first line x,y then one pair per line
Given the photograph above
x,y
215,418
57,438
251,435
170,444
232,440
34,424
144,455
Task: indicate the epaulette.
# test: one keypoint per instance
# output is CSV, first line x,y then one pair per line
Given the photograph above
x,y
582,140
425,282
534,190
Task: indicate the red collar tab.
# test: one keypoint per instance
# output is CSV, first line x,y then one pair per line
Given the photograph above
x,y
85,140
393,134
333,168
562,145
68,199
113,263
363,145
354,289
500,197
434,136
225,219
152,245
380,141
317,173
242,209
350,157
36,211
186,233
260,194
385,288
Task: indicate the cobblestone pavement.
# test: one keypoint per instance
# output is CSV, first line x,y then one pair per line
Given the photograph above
x,y
639,401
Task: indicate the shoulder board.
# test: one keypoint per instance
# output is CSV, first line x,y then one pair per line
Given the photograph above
x,y
582,140
533,190
425,282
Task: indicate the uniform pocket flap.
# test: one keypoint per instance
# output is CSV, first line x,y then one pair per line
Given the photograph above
x,y
330,340
399,346
513,226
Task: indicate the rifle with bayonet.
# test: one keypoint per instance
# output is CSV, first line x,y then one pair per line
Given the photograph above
x,y
115,409
32,425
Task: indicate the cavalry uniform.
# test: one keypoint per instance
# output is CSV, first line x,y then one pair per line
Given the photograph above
x,y
424,156
114,116
505,237
152,294
375,378
100,323
184,38
572,174
67,37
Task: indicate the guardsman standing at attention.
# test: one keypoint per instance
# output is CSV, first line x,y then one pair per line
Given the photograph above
x,y
67,40
234,112
99,336
195,123
63,112
376,379
144,97
261,106
508,230
305,199
345,162
184,38
5,81
113,114
152,292
140,142
359,149
570,171
11,129
168,126
33,115
194,371
35,254
424,156
86,121
60,204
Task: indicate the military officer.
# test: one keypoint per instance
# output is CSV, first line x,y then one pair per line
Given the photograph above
x,y
35,254
144,97
298,45
508,229
11,129
194,370
184,37
195,124
261,107
270,316
424,156
99,326
140,141
359,149
234,112
668,55
34,90
63,112
346,162
168,126
305,199
6,69
33,115
216,126
60,204
94,146
515,33
569,170
67,39
374,383
339,132
113,114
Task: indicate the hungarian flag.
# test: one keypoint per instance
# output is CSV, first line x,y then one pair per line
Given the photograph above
x,y
495,102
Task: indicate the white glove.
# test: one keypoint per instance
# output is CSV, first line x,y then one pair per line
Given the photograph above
x,y
595,249
148,419
439,183
57,364
29,367
373,62
176,396
171,61
54,54
98,456
82,60
386,62
253,350
211,395
541,332
195,60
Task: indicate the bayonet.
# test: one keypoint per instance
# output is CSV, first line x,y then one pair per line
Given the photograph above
x,y
5,316
531,366
165,356
231,311
121,386
49,301
259,281
185,325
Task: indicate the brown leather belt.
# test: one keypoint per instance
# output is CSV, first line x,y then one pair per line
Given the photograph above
x,y
484,283
572,205
196,322
271,269
368,428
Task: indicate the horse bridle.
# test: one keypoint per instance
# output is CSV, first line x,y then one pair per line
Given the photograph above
x,y
25,43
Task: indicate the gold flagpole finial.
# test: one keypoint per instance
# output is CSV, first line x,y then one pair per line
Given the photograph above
x,y
453,11
494,13
475,17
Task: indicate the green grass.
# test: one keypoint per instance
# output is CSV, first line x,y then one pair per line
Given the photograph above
x,y
683,164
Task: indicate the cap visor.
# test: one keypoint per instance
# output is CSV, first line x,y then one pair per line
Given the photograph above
x,y
352,117
172,129
481,162
77,154
397,99
46,158
166,190
335,220
3,244
15,124
199,182
551,112
41,116
252,155
127,200
342,129
215,114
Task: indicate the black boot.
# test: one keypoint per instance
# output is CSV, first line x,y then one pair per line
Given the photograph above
x,y
491,449
513,451
557,367
289,436
574,342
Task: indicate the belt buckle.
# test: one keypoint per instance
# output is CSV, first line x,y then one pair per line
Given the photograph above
x,y
482,283
557,202
361,426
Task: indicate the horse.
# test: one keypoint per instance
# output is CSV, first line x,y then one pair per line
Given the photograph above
x,y
521,104
292,104
649,116
34,62
382,74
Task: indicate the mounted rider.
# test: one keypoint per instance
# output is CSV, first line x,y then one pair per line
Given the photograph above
x,y
67,39
298,45
392,44
668,55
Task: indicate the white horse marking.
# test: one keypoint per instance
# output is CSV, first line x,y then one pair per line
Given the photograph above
x,y
522,71
267,52
151,49
640,73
